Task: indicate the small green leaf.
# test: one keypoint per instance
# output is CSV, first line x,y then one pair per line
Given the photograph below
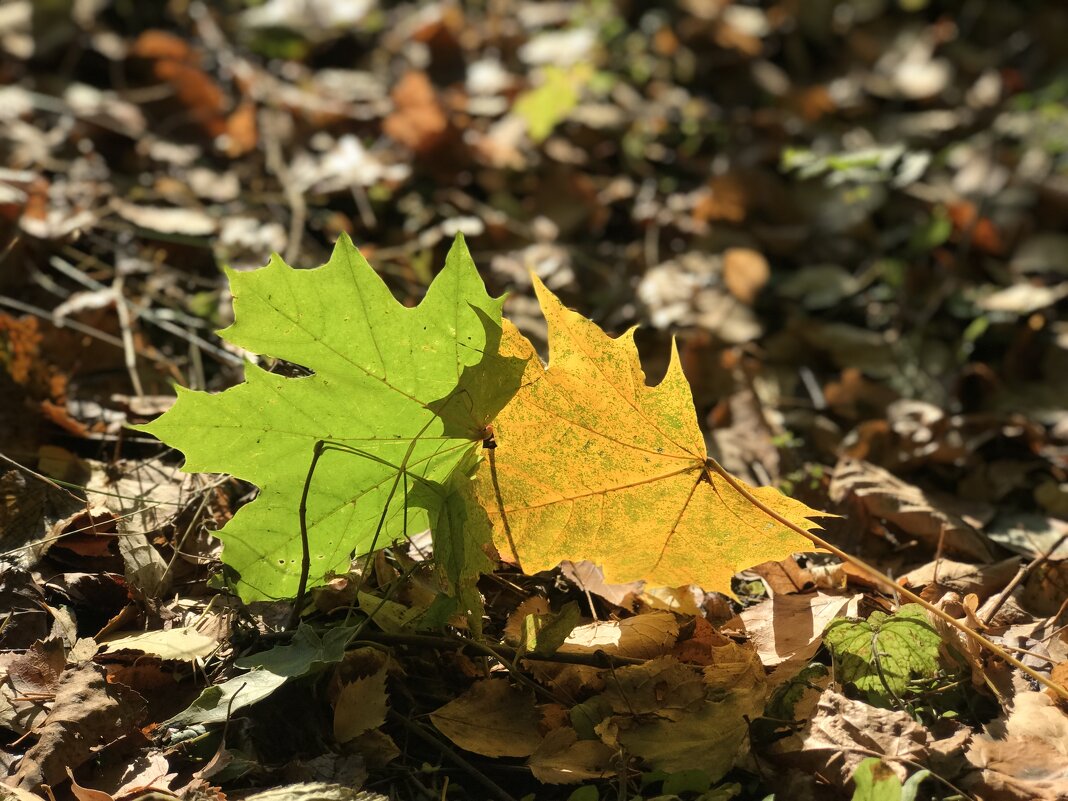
x,y
306,652
881,654
587,792
215,703
686,781
586,716
544,634
875,781
546,106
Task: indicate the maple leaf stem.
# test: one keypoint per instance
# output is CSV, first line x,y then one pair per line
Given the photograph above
x,y
321,446
500,507
887,582
305,549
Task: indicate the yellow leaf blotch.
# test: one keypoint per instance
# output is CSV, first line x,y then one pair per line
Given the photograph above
x,y
591,463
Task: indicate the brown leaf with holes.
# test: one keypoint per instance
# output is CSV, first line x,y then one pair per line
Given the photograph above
x,y
843,732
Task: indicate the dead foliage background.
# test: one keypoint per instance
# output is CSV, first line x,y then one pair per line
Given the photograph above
x,y
850,214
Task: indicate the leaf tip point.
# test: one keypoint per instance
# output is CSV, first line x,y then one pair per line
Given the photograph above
x,y
142,428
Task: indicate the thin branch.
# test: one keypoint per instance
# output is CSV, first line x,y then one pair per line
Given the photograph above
x,y
1022,574
884,580
420,733
504,653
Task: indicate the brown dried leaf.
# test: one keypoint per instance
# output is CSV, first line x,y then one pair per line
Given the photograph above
x,y
844,732
419,121
641,637
360,706
883,495
513,629
562,758
37,671
702,727
745,273
1046,589
784,577
659,684
492,718
88,713
790,627
590,578
86,793
1029,757
962,577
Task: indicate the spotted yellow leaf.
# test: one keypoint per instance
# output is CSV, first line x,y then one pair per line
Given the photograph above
x,y
591,463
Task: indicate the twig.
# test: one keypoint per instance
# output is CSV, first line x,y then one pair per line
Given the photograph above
x,y
74,325
495,790
129,352
889,584
91,527
363,206
938,553
142,311
1023,573
504,653
39,476
298,207
320,447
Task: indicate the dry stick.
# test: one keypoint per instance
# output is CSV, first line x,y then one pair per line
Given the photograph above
x,y
91,527
142,310
73,325
1054,619
496,791
39,476
126,327
503,653
888,583
1021,574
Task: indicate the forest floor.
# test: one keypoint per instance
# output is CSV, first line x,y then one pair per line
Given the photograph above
x,y
851,218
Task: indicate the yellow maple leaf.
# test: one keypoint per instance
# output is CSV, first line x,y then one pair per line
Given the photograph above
x,y
591,463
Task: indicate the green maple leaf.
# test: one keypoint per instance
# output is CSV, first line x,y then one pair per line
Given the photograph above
x,y
407,390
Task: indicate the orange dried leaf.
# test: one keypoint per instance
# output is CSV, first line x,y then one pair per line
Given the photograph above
x,y
593,464
419,121
745,273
